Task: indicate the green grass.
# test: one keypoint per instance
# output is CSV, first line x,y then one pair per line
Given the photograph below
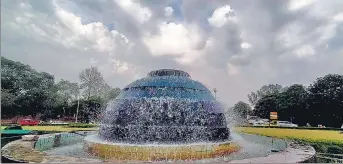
x,y
321,140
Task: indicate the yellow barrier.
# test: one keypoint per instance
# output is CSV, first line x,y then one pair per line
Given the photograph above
x,y
111,152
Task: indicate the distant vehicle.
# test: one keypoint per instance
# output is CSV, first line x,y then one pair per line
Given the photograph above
x,y
321,126
58,123
260,123
286,124
29,122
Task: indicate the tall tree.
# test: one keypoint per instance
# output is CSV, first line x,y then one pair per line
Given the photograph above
x,y
28,88
326,100
267,104
67,92
91,81
293,104
241,109
265,90
109,93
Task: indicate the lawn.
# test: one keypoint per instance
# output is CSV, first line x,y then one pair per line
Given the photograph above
x,y
53,128
312,136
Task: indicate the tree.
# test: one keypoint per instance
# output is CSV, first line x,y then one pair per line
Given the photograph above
x,y
7,101
265,90
293,104
267,104
109,93
67,92
326,100
241,109
90,109
27,87
91,81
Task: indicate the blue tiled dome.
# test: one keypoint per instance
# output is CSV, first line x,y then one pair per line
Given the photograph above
x,y
149,109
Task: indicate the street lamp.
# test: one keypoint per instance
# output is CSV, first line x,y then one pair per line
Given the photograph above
x,y
215,92
77,109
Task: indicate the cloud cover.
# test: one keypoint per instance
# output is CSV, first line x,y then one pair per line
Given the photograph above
x,y
233,45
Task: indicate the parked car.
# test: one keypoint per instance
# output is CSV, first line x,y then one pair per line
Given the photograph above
x,y
286,124
260,123
29,122
58,123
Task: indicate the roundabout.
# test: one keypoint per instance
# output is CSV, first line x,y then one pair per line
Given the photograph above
x,y
165,116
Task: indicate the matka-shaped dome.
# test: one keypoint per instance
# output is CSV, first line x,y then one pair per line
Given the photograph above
x,y
165,107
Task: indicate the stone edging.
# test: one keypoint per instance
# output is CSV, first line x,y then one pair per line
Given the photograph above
x,y
294,153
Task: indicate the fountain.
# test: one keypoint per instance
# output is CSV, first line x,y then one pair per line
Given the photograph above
x,y
166,115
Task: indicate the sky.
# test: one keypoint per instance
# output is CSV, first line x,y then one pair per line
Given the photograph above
x,y
235,46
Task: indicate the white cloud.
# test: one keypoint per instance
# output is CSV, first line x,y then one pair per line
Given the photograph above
x,y
122,67
168,11
305,51
338,17
298,4
249,47
245,45
25,5
173,39
232,70
221,16
140,13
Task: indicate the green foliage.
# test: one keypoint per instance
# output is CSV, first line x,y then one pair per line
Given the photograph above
x,y
293,105
326,100
265,90
267,104
319,147
321,103
82,125
241,109
25,92
92,82
334,149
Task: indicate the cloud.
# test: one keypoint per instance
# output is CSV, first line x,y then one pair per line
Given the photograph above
x,y
168,11
245,45
233,46
221,16
140,13
172,39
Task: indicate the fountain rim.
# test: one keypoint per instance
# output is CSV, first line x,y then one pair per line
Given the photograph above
x,y
99,140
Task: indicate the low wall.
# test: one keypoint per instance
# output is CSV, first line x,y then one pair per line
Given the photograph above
x,y
48,141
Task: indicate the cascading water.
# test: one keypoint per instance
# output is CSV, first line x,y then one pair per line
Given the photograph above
x,y
165,107
165,115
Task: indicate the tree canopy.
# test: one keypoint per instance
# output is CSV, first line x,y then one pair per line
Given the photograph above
x,y
320,103
26,92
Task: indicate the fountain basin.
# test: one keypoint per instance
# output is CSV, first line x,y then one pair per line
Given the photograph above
x,y
111,151
252,148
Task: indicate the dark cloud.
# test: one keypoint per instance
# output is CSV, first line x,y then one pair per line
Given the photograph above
x,y
282,45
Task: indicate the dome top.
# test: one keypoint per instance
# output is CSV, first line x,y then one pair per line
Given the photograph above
x,y
168,78
168,72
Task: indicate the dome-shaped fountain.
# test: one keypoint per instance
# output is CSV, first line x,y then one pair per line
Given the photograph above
x,y
165,108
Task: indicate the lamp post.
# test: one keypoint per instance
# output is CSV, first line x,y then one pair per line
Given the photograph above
x,y
215,92
77,109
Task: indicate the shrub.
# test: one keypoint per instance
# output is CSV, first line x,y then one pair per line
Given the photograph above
x,y
334,149
319,147
82,125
